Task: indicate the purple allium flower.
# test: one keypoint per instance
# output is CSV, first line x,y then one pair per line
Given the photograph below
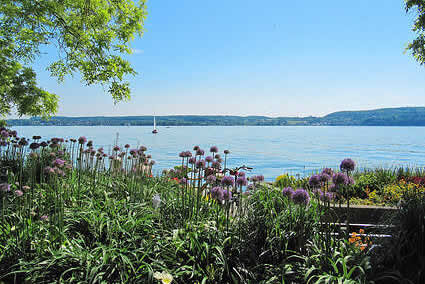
x,y
44,218
314,181
228,181
182,154
19,193
333,188
116,148
127,146
53,145
328,196
133,152
13,133
227,194
288,192
226,152
188,154
26,187
152,162
149,156
100,150
241,174
200,164
54,140
347,165
195,148
43,144
214,149
143,148
301,196
59,163
82,140
340,179
90,143
217,193
23,142
216,165
4,134
5,187
49,170
192,160
208,159
324,177
200,152
3,143
217,156
241,181
211,179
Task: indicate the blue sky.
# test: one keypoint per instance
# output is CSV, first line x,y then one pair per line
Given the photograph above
x,y
271,57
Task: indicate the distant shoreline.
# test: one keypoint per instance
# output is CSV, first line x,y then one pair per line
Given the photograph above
x,y
405,116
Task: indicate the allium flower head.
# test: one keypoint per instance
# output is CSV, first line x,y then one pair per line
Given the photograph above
x,y
152,162
211,179
195,148
226,152
208,159
183,181
301,196
19,193
192,160
327,197
347,165
43,144
23,142
324,177
241,174
143,148
200,152
58,163
116,148
127,146
288,192
133,152
82,140
217,193
228,181
44,218
200,164
217,156
214,149
188,154
314,181
216,165
241,181
340,179
182,154
4,134
36,137
227,194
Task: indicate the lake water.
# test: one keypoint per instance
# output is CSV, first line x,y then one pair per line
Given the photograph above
x,y
270,150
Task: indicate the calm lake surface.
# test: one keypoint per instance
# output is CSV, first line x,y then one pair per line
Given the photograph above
x,y
270,150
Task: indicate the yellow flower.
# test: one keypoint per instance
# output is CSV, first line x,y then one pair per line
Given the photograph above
x,y
164,277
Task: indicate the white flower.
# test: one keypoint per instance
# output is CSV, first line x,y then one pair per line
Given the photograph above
x,y
156,201
164,277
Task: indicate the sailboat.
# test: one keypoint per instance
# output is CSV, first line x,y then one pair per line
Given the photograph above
x,y
154,131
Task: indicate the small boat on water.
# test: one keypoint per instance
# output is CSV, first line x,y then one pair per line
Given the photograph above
x,y
154,131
